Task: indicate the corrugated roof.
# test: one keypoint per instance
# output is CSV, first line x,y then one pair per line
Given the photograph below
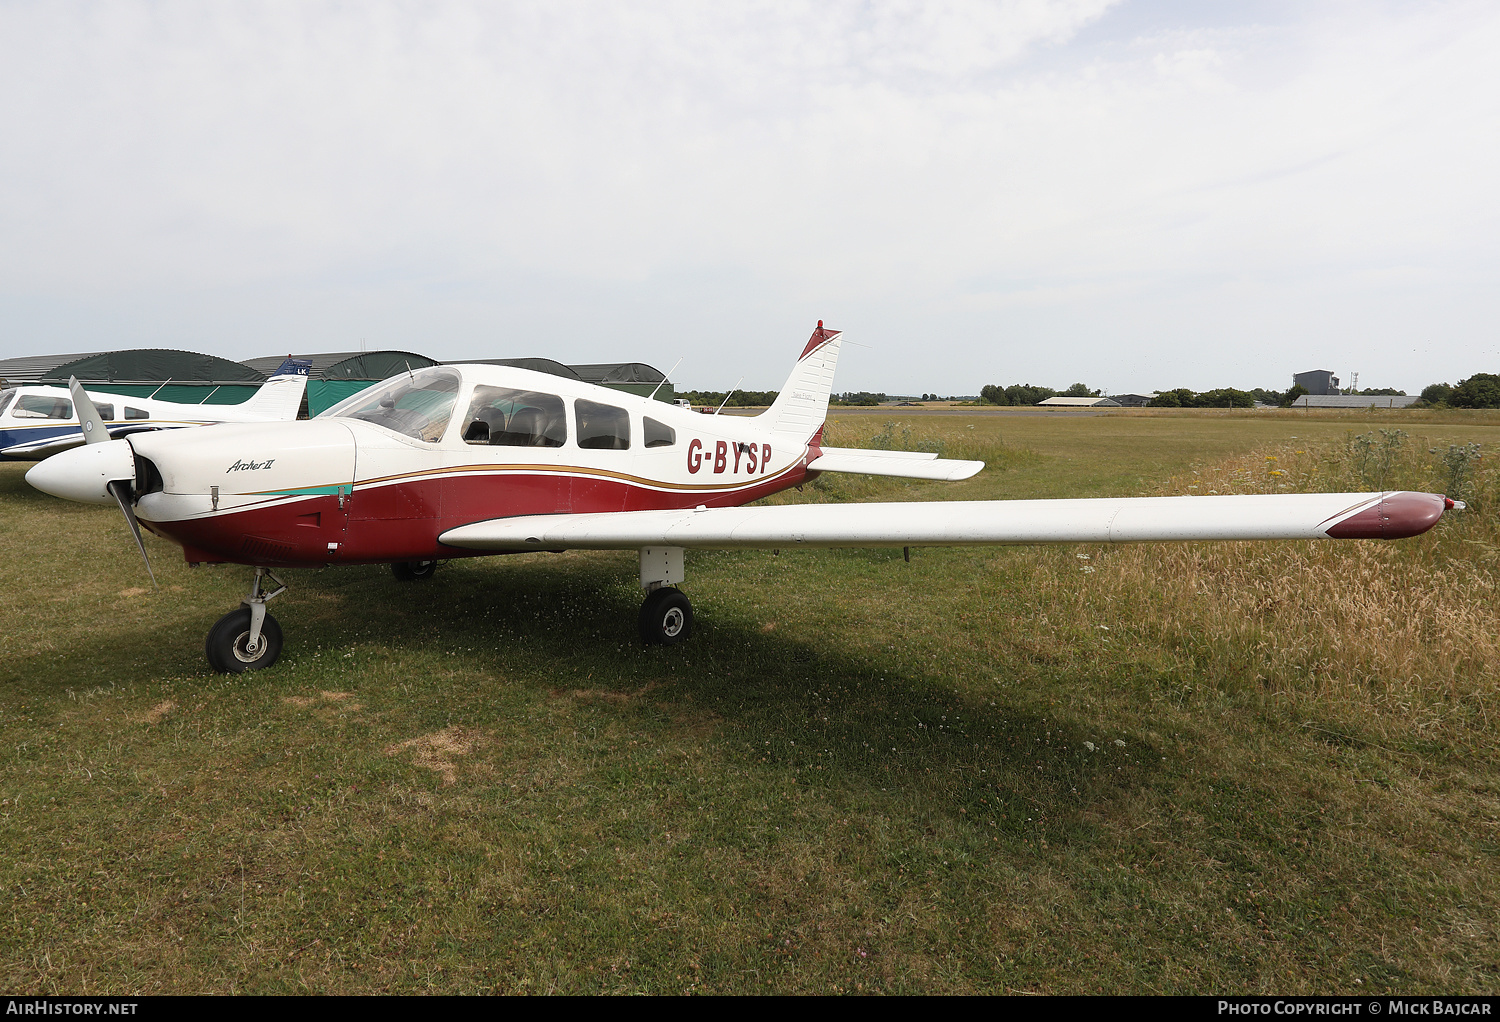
x,y
536,365
619,372
348,365
1355,401
29,368
1080,402
153,365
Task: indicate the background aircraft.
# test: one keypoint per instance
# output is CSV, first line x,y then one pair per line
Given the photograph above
x,y
38,421
454,461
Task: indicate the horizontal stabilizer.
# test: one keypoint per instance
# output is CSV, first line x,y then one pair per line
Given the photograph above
x,y
907,464
952,523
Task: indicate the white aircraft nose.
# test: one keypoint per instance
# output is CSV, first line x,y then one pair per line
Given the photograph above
x,y
82,473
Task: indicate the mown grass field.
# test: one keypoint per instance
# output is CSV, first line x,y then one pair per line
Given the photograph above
x,y
1245,767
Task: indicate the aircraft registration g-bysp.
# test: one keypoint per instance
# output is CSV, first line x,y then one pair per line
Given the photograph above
x,y
456,461
38,421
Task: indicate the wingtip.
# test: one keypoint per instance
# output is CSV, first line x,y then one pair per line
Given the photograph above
x,y
1394,516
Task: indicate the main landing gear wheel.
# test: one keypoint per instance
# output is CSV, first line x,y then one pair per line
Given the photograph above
x,y
666,617
413,571
229,648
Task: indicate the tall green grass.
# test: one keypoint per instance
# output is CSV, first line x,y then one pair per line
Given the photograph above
x,y
1245,767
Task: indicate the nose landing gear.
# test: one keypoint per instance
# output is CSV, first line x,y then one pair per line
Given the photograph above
x,y
247,638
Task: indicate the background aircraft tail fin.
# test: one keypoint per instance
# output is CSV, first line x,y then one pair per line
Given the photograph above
x,y
802,405
281,395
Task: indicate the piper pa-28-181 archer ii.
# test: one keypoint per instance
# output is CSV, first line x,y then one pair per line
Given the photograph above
x,y
37,422
463,461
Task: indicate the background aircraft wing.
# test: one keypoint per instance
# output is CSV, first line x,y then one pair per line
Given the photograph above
x,y
908,464
40,449
1390,515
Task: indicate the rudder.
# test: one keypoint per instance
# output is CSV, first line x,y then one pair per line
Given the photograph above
x,y
280,396
802,405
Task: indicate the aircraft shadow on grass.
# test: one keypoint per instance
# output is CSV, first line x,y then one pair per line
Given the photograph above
x,y
985,761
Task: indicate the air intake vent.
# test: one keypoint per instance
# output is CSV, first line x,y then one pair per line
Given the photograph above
x,y
264,551
147,477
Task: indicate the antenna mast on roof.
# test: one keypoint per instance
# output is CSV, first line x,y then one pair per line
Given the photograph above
x,y
665,378
730,394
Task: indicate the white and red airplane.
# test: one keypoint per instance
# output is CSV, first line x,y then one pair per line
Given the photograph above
x,y
462,461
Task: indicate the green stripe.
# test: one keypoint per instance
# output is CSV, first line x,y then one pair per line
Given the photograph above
x,y
306,491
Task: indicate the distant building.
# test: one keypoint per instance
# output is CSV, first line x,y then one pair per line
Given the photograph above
x,y
1079,402
1355,401
1132,400
1319,382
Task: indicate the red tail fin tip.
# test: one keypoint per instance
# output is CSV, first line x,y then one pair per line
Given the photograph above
x,y
818,337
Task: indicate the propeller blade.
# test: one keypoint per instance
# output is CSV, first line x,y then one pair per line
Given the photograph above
x,y
88,416
122,491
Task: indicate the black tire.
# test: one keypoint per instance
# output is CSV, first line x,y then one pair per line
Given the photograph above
x,y
413,571
666,617
226,643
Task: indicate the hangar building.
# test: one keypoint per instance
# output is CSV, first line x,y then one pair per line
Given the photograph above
x,y
194,378
167,373
1318,382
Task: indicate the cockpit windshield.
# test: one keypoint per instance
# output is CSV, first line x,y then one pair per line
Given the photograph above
x,y
5,396
417,404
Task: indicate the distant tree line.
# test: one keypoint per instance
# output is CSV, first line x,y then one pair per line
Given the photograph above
x,y
739,399
1482,390
1026,394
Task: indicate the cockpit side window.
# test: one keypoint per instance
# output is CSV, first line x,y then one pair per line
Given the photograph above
x,y
41,406
602,427
658,434
5,398
417,405
503,417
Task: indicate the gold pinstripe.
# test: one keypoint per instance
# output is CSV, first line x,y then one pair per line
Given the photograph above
x,y
517,469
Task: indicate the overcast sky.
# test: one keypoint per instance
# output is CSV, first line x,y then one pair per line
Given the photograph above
x,y
1136,195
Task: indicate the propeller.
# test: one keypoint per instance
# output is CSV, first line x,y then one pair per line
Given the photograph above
x,y
94,430
123,490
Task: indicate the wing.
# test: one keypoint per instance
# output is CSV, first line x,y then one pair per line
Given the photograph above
x,y
1391,515
908,464
39,449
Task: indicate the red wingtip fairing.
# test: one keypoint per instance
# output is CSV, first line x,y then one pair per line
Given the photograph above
x,y
1395,517
818,337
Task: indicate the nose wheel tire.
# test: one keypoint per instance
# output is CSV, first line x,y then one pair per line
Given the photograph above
x,y
413,571
666,617
228,645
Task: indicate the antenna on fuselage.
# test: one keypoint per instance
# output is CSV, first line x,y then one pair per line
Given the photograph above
x,y
730,394
665,378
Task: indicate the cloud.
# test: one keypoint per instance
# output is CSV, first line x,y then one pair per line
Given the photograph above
x,y
1041,190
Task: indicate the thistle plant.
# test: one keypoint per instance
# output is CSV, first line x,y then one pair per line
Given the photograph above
x,y
1459,461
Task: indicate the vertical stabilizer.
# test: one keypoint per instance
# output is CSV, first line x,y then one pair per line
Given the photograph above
x,y
802,405
279,397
